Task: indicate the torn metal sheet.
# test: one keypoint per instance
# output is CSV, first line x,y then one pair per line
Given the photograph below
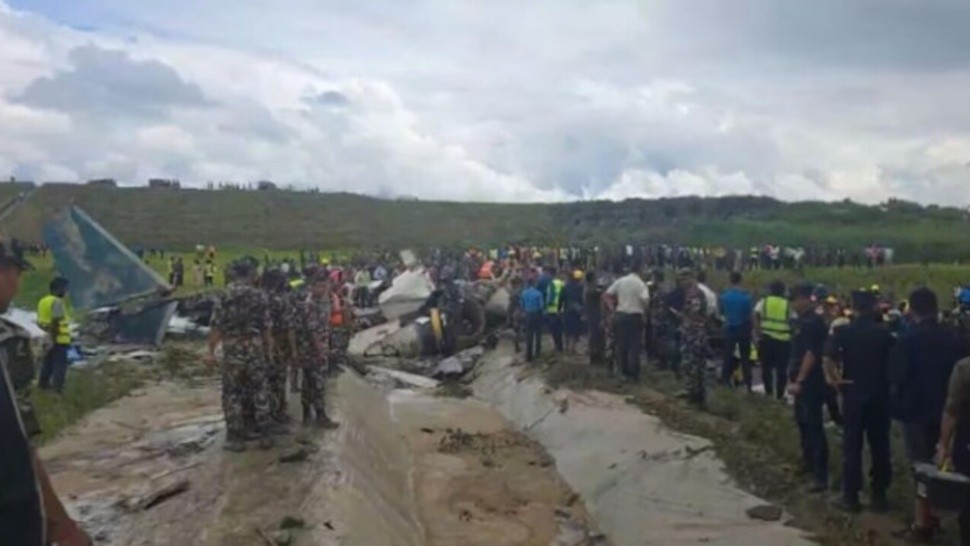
x,y
102,271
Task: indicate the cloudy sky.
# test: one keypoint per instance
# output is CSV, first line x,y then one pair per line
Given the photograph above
x,y
496,99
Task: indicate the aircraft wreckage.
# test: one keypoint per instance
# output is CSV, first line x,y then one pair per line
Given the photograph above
x,y
125,301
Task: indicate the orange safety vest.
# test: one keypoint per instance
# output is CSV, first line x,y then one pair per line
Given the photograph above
x,y
336,310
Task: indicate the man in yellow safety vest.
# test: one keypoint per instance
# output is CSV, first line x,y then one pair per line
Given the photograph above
x,y
52,316
772,329
554,308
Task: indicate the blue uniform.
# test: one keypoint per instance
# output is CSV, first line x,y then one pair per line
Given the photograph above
x,y
533,304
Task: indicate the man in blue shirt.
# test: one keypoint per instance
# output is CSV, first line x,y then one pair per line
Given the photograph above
x,y
533,304
737,309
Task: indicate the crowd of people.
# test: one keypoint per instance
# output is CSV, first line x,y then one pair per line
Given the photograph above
x,y
858,362
867,363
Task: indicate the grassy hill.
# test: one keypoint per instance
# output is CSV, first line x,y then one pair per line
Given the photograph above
x,y
179,219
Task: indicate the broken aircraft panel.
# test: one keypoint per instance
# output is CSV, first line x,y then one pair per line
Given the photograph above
x,y
102,271
106,276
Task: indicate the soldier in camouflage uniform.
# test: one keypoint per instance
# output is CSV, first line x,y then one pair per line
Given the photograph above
x,y
693,338
282,314
296,296
241,321
313,346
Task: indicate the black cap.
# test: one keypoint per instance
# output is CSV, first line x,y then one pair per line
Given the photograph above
x,y
12,254
863,300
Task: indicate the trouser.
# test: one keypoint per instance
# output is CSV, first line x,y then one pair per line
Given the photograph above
x,y
815,447
554,323
597,341
244,386
693,346
739,338
832,403
276,379
54,368
517,322
339,341
628,335
868,419
314,379
361,297
533,335
775,356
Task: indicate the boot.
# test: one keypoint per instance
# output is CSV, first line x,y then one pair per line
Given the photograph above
x,y
323,421
266,442
278,429
847,504
234,445
879,503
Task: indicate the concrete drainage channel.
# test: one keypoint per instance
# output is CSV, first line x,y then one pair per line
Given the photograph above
x,y
600,471
642,482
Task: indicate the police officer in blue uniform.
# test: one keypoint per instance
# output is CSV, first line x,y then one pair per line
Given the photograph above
x,y
863,349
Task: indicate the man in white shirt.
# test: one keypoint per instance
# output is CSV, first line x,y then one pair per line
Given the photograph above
x,y
628,297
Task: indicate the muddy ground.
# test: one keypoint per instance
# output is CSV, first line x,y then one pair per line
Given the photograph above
x,y
405,468
503,459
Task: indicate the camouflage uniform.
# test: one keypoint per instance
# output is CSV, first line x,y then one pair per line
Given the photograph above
x,y
296,299
282,314
242,315
693,343
313,328
16,357
662,333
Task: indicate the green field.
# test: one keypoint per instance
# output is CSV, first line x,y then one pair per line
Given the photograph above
x,y
180,219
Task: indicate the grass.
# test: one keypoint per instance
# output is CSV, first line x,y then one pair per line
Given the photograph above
x,y
87,389
84,391
178,220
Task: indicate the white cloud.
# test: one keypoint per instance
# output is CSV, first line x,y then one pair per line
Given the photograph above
x,y
496,101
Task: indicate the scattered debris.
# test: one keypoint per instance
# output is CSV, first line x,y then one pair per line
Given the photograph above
x,y
765,512
155,496
328,525
290,522
427,430
454,389
296,455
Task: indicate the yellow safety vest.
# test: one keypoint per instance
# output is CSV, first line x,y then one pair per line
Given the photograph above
x,y
554,295
775,318
45,317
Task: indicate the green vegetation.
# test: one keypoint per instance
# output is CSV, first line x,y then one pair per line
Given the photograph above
x,y
180,219
85,391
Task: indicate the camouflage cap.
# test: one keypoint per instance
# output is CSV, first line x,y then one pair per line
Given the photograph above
x,y
12,254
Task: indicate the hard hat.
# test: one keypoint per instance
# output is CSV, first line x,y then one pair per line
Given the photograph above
x,y
831,300
578,275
